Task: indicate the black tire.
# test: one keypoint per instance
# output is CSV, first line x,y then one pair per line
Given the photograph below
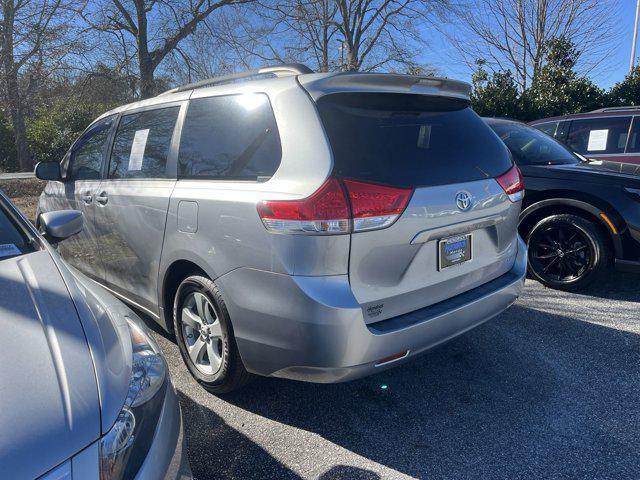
x,y
567,252
231,374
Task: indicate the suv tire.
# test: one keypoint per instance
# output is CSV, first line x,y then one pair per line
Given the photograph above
x,y
204,332
567,252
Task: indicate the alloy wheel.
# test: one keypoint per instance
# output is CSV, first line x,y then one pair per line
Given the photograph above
x,y
202,333
561,253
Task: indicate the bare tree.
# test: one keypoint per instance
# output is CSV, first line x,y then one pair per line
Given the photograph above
x,y
154,28
339,34
513,34
375,31
31,31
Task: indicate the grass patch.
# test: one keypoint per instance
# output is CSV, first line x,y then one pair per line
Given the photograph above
x,y
24,193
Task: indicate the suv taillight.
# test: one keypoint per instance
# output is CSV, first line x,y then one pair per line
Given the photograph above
x,y
338,206
512,183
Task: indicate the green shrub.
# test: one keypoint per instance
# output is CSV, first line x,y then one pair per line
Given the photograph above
x,y
53,128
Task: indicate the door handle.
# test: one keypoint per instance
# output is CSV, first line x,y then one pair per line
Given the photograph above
x,y
103,198
87,198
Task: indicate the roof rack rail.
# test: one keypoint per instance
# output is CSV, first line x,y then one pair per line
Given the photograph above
x,y
616,109
281,70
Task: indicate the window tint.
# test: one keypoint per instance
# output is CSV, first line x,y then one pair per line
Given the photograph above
x,y
87,154
142,142
599,135
562,130
232,137
634,138
12,242
530,147
410,140
548,128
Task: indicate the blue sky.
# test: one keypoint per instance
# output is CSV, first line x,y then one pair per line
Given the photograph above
x,y
448,61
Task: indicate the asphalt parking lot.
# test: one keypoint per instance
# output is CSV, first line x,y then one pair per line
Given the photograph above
x,y
549,389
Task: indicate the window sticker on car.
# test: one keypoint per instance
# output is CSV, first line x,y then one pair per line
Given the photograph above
x,y
597,140
9,250
137,149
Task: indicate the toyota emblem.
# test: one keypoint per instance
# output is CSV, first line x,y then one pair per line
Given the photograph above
x,y
463,201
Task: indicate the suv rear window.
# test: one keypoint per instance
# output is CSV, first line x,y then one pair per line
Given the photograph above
x,y
410,140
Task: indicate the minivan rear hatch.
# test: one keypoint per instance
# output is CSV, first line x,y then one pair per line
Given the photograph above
x,y
458,230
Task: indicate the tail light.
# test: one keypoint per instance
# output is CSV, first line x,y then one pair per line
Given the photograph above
x,y
338,206
512,183
375,206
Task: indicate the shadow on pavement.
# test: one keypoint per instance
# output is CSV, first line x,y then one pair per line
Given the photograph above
x,y
345,472
527,394
616,286
218,451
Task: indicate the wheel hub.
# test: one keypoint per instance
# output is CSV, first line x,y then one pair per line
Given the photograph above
x,y
202,333
560,253
205,334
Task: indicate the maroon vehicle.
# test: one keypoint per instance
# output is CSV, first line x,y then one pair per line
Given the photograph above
x,y
611,134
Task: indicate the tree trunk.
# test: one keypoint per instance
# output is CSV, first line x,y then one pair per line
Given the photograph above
x,y
145,62
25,161
147,86
12,89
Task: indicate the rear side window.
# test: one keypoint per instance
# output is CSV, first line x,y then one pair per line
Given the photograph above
x,y
142,142
599,135
229,137
86,158
548,128
410,140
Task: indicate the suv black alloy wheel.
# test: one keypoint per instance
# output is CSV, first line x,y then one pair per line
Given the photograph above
x,y
566,252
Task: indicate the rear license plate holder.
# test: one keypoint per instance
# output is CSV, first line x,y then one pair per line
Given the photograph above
x,y
454,251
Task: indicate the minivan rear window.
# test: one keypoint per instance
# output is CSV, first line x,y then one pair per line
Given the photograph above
x,y
410,140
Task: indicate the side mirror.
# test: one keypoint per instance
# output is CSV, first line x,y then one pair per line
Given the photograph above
x,y
48,171
62,224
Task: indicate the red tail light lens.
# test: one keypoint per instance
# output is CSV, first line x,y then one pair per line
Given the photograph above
x,y
375,206
328,211
512,183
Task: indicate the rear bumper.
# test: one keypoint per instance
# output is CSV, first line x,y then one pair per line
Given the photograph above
x,y
313,329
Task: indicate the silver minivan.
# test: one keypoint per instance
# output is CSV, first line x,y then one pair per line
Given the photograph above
x,y
316,227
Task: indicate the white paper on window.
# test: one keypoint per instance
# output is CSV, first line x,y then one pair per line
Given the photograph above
x,y
597,140
137,150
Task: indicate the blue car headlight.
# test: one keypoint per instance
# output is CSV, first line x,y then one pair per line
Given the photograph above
x,y
124,448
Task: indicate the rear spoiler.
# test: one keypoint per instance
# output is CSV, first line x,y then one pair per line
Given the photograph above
x,y
320,84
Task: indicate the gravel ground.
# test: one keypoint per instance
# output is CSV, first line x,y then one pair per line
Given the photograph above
x,y
549,389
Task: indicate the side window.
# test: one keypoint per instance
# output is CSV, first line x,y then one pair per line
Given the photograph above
x,y
142,142
87,154
634,139
229,137
562,130
599,135
548,128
